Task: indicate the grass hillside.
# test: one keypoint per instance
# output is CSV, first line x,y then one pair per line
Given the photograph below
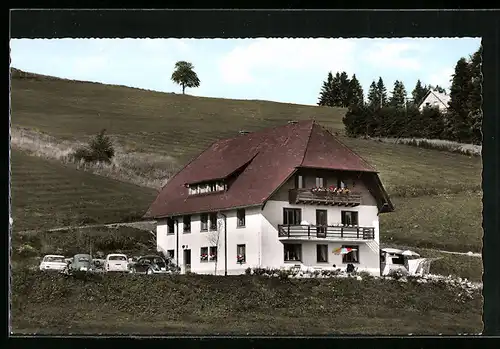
x,y
161,127
47,194
146,121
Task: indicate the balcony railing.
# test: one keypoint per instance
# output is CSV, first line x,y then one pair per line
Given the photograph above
x,y
306,196
325,232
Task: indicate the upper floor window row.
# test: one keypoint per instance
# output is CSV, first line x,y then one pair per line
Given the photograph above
x,y
204,188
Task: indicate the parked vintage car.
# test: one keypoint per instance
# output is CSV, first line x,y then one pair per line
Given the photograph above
x,y
150,265
116,262
53,262
80,262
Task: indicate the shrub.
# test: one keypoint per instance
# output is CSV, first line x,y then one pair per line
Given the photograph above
x,y
398,273
100,149
26,250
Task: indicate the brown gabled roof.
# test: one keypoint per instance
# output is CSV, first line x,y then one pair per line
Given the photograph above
x,y
265,159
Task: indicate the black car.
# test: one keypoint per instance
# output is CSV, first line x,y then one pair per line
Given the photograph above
x,y
150,265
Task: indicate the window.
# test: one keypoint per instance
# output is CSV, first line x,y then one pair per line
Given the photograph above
x,y
241,254
213,253
293,252
299,182
213,221
186,223
351,257
319,182
170,226
204,188
171,254
204,254
292,216
398,259
240,218
340,183
204,221
322,253
349,218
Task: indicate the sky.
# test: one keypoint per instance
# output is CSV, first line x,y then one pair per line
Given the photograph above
x,y
282,70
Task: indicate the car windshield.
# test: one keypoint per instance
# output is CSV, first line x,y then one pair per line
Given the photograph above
x,y
159,261
83,259
54,259
117,258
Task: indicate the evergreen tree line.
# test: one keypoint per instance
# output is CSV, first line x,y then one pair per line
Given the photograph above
x,y
396,116
340,91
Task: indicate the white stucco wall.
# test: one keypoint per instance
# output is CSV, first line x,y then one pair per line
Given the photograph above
x,y
272,247
196,239
263,247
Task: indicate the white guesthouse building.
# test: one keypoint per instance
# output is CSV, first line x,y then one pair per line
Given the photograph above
x,y
280,197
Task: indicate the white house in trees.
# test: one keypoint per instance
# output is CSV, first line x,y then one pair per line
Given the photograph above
x,y
434,99
280,197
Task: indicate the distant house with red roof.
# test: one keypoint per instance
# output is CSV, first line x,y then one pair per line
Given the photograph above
x,y
280,197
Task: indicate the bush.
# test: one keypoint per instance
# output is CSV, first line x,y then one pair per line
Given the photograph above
x,y
100,149
26,250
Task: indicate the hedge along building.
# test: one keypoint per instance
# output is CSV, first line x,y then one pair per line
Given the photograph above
x,y
278,197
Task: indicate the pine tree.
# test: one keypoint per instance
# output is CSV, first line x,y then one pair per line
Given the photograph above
x,y
475,97
336,90
458,122
373,96
418,92
344,90
326,94
398,98
355,93
382,93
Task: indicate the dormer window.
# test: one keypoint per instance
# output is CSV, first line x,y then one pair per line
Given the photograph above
x,y
206,188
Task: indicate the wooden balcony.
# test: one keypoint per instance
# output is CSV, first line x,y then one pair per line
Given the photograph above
x,y
306,196
301,232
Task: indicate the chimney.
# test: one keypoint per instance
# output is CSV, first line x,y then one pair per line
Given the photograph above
x,y
292,121
243,132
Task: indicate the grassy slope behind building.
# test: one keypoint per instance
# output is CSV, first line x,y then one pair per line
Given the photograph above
x,y
47,194
180,126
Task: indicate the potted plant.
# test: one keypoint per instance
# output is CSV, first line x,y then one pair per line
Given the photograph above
x,y
240,259
204,257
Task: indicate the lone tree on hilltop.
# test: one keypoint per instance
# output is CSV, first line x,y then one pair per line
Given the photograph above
x,y
185,75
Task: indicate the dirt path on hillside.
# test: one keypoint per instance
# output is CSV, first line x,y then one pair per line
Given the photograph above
x,y
470,254
400,247
142,225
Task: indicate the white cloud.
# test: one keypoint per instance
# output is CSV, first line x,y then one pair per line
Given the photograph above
x,y
241,64
394,55
442,77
